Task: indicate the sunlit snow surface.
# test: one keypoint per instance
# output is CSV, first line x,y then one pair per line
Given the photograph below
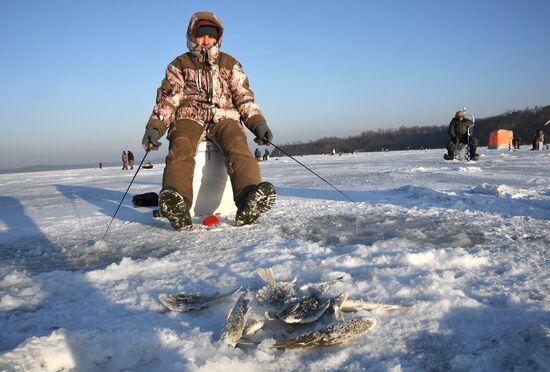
x,y
467,243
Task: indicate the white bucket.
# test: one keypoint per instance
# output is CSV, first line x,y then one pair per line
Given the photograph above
x,y
212,192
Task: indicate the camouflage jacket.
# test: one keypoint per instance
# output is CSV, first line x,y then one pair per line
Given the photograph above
x,y
204,86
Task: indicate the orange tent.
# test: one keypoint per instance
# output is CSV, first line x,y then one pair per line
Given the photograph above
x,y
500,139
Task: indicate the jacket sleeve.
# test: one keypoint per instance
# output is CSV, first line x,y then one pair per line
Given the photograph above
x,y
243,98
452,129
169,98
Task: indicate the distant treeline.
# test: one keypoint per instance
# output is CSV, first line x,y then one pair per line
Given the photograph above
x,y
523,122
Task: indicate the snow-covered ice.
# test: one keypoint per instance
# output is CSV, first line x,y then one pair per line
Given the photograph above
x,y
467,243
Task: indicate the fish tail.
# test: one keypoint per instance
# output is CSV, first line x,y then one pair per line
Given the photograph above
x,y
267,275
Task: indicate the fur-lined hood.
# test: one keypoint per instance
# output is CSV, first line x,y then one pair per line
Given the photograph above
x,y
193,47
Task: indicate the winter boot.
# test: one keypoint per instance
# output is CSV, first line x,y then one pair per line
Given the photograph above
x,y
449,156
255,203
474,157
176,208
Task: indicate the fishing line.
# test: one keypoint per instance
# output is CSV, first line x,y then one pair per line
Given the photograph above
x,y
328,183
119,204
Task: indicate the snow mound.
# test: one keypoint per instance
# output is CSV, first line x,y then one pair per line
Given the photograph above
x,y
19,291
49,353
504,191
469,169
443,259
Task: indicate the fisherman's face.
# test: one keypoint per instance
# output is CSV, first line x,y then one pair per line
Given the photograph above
x,y
205,41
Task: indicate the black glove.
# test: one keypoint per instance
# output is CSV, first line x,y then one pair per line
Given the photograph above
x,y
150,139
263,134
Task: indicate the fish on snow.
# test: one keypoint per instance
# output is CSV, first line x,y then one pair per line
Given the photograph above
x,y
183,302
311,308
236,321
335,334
274,293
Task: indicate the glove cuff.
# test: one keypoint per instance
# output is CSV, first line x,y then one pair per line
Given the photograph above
x,y
157,124
254,121
257,125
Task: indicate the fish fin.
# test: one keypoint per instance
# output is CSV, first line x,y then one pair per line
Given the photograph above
x,y
338,303
267,275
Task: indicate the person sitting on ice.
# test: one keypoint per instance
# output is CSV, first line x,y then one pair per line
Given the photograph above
x,y
460,129
538,142
206,91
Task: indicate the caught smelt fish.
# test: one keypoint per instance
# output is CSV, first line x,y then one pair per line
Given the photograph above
x,y
311,308
188,301
236,321
334,334
274,293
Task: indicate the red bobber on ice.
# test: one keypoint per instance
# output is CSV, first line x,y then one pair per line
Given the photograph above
x,y
211,221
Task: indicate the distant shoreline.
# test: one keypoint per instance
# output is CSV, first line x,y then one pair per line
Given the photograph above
x,y
48,168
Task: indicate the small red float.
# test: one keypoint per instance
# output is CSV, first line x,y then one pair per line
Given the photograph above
x,y
211,221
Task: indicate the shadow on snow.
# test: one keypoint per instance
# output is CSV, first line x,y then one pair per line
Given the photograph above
x,y
63,298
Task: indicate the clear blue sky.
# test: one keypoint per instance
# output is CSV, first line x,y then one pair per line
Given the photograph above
x,y
79,78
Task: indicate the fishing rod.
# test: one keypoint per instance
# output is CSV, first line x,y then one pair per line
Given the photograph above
x,y
297,161
119,204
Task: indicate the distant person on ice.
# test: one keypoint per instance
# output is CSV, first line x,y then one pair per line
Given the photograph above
x,y
130,159
266,154
124,160
538,142
258,154
459,127
516,141
206,91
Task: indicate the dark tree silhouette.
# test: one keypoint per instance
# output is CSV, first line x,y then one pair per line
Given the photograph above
x,y
523,122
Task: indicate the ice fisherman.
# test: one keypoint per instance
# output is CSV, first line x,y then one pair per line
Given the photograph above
x,y
206,92
459,129
538,142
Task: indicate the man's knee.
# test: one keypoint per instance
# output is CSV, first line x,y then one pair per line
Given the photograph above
x,y
186,128
230,135
451,145
184,133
